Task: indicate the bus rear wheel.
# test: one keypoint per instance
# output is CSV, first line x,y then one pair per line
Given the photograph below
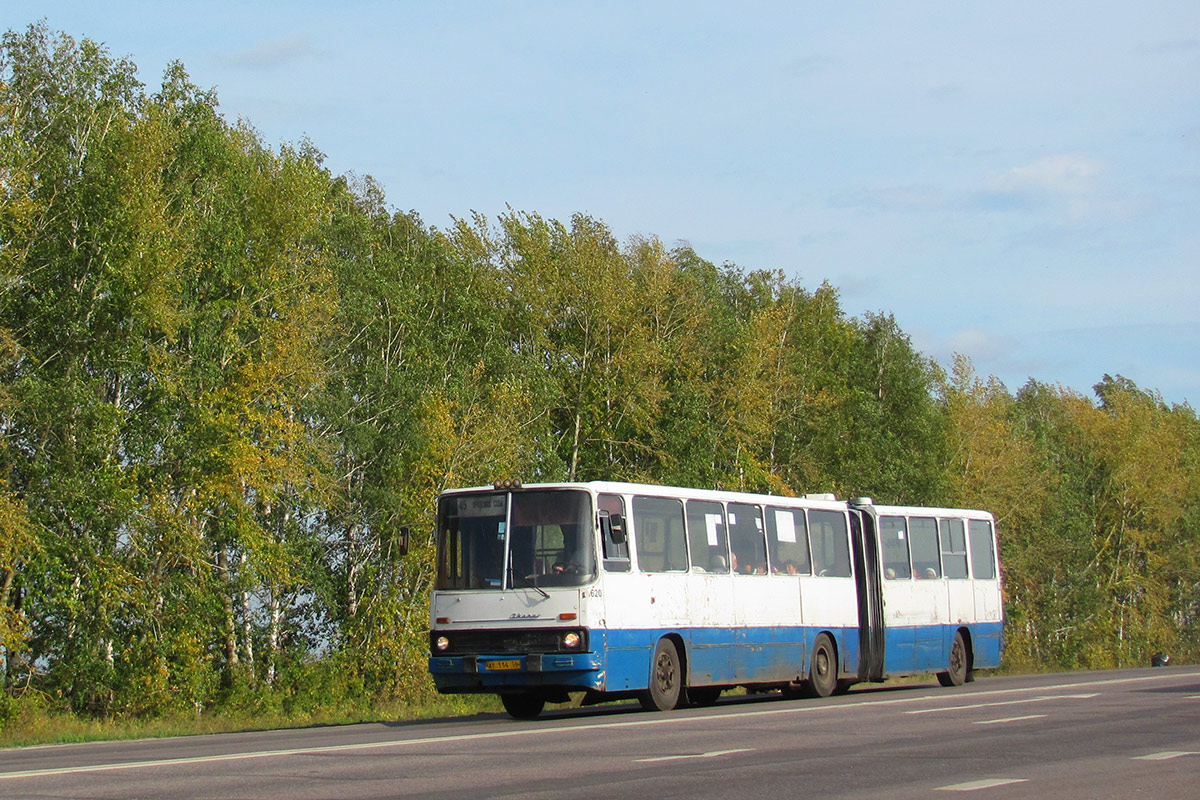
x,y
523,706
956,673
822,670
666,679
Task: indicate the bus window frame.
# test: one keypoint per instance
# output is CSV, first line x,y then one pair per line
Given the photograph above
x,y
842,548
751,558
612,523
946,538
799,540
991,542
643,537
893,568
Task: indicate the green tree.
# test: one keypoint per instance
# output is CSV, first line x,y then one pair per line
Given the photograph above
x,y
992,464
895,421
572,315
246,359
74,308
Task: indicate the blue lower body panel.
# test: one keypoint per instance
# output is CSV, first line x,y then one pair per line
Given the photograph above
x,y
620,659
926,648
987,642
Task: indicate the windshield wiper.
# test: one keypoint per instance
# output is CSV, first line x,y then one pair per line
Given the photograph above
x,y
512,579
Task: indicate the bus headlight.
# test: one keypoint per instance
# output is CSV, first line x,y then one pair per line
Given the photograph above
x,y
571,641
441,643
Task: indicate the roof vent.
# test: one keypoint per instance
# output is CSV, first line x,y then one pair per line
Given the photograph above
x,y
821,496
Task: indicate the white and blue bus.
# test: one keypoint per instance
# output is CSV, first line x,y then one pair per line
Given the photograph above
x,y
673,595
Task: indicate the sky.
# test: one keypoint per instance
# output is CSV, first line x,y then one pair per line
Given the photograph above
x,y
1017,182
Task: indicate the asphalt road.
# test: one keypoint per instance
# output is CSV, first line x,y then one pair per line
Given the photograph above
x,y
1079,735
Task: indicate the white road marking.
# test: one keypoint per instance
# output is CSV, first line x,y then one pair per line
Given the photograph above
x,y
1008,719
559,729
713,754
987,783
1163,756
1005,703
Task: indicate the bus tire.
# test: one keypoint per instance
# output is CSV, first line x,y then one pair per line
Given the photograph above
x,y
956,672
666,679
523,705
822,669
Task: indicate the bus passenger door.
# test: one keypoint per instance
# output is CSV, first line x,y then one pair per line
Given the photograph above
x,y
960,592
989,604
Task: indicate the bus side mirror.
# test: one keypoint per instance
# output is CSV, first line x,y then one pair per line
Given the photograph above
x,y
613,527
402,535
618,528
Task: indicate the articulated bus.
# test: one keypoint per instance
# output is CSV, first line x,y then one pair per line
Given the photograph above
x,y
672,595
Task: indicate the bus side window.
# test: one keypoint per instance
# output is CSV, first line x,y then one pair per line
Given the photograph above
x,y
828,534
954,547
658,533
923,537
983,557
706,536
746,538
616,545
787,541
893,537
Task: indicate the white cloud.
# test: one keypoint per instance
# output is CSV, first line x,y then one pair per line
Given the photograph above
x,y
1066,182
1054,175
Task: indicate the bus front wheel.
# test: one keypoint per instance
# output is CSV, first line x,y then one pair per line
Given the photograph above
x,y
523,706
822,670
666,679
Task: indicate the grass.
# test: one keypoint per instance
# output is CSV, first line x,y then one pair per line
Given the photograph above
x,y
30,724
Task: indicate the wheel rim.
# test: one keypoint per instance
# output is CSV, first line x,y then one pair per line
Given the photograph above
x,y
822,663
822,671
958,657
664,673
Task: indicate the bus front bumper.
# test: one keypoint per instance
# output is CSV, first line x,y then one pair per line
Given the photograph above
x,y
486,673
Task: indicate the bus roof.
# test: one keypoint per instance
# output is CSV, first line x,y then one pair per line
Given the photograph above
x,y
822,501
923,511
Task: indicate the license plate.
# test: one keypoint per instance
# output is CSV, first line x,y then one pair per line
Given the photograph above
x,y
492,666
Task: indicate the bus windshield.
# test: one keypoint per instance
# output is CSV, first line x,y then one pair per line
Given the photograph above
x,y
544,539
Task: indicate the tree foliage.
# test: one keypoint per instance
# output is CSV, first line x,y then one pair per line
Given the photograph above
x,y
228,377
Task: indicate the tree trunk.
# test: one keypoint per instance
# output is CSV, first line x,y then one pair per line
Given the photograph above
x,y
231,648
247,639
273,638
